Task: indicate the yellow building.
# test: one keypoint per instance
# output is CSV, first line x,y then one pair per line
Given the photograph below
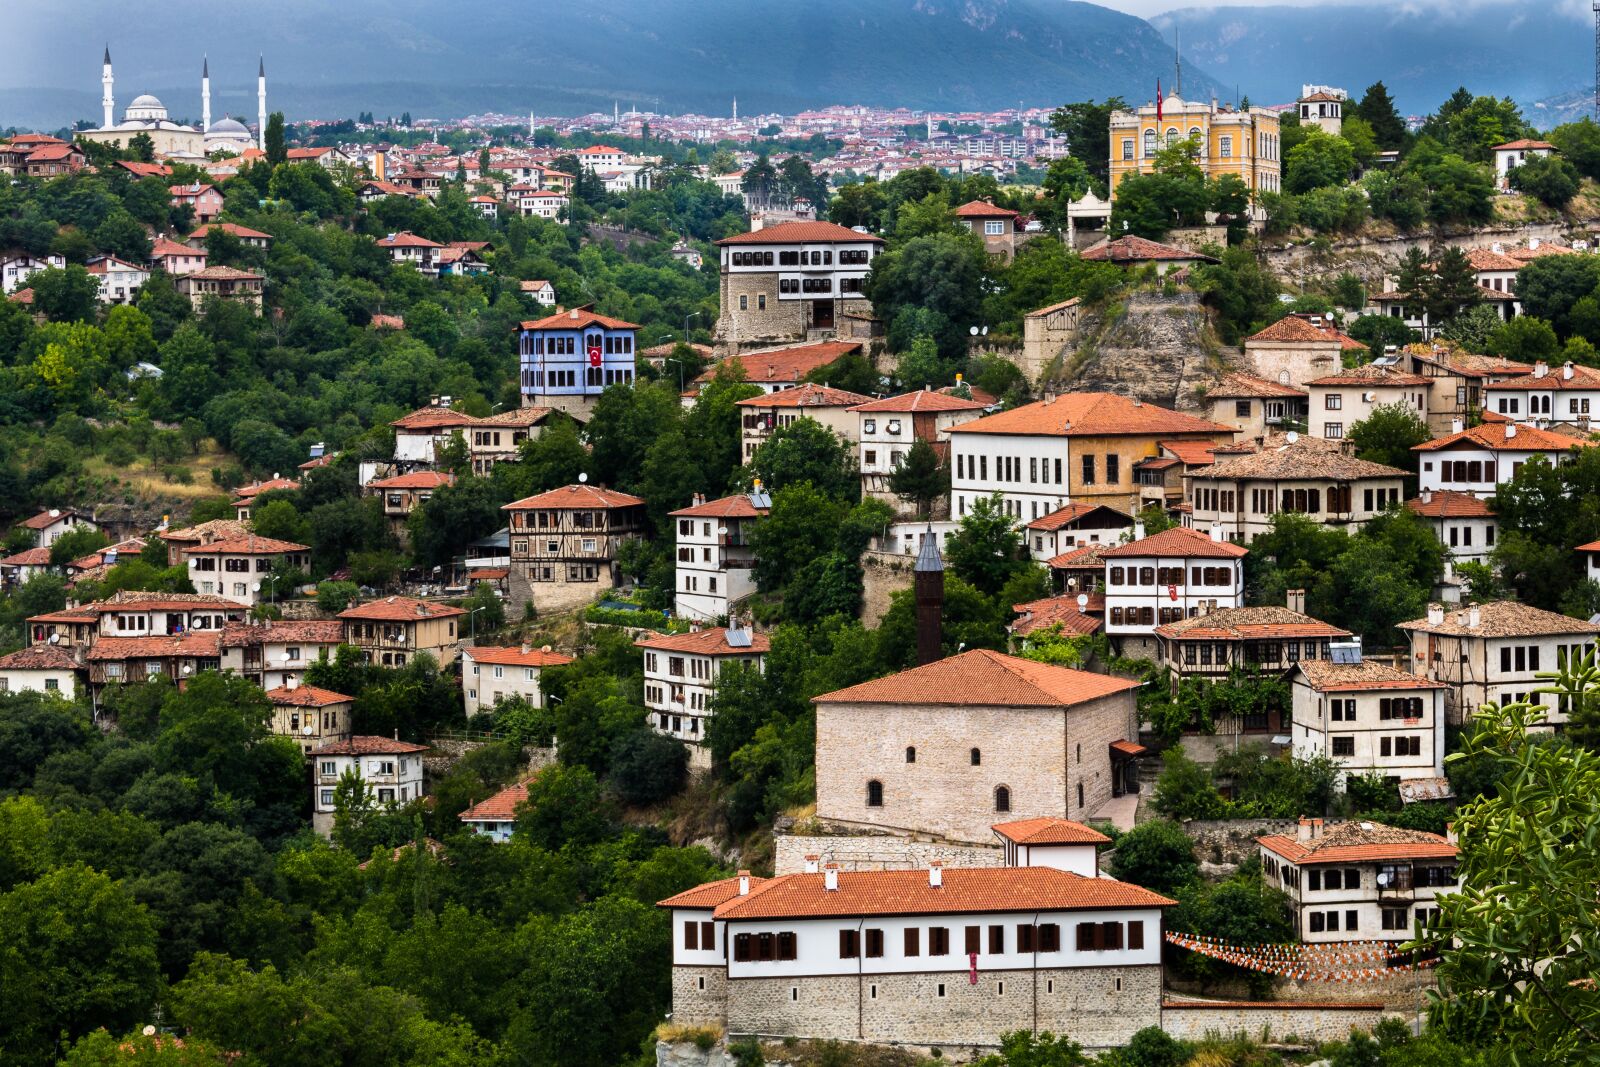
x,y
1242,143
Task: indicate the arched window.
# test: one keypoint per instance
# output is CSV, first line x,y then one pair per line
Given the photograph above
x,y
911,753
1149,142
1172,136
874,794
977,758
1002,798
1080,794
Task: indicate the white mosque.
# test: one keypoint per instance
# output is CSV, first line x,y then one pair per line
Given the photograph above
x,y
148,116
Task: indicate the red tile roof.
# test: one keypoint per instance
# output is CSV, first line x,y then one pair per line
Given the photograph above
x,y
433,417
768,366
577,319
250,545
737,506
1178,542
515,656
1354,842
712,642
1192,453
1058,611
45,519
801,233
39,658
1592,546
1091,415
1235,385
363,745
233,229
920,400
1450,504
306,696
983,678
1071,513
248,492
1555,379
1371,374
1084,557
415,480
1325,676
1504,437
982,209
1264,623
1522,143
225,274
283,631
964,890
806,395
1141,250
184,646
1298,328
502,807
406,239
1487,259
708,895
575,496
1050,831
28,557
400,609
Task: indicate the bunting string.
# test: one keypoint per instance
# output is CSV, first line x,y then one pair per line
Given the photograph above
x,y
1346,961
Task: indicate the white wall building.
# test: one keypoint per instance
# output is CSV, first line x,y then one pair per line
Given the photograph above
x,y
1066,528
1478,460
1172,575
496,817
1464,524
391,769
716,565
1339,401
15,268
888,428
1368,717
1567,394
680,678
1513,154
241,568
119,280
491,675
761,416
40,669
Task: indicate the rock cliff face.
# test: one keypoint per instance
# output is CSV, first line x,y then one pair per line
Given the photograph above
x,y
1157,347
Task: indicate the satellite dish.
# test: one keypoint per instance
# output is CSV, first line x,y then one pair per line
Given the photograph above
x,y
1291,437
255,587
973,330
193,562
722,531
55,639
583,479
1083,601
544,648
188,668
306,729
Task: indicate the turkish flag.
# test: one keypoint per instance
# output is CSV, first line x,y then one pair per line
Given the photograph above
x,y
594,355
972,972
1172,592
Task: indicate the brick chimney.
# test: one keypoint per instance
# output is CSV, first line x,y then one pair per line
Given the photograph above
x,y
1310,830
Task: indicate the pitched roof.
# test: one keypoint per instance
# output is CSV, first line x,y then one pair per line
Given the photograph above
x,y
1178,542
151,600
1265,623
1486,259
364,745
1371,374
431,417
283,631
964,890
1360,842
920,400
515,656
28,557
45,519
214,527
737,506
248,545
1468,364
195,645
231,228
1091,415
414,480
1522,143
711,642
224,274
1049,831
1298,329
982,209
502,807
406,239
1057,611
248,492
575,496
1307,458
1062,306
1450,504
1502,618
306,696
1071,513
1502,437
708,895
162,247
801,232
1192,453
983,678
1235,385
806,395
784,364
39,658
1325,676
1555,379
1141,250
577,319
400,609
1592,546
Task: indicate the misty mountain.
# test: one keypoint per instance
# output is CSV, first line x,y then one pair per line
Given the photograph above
x,y
327,59
1526,49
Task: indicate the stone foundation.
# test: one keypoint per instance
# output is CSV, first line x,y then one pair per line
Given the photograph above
x,y
877,852
1268,1021
694,1006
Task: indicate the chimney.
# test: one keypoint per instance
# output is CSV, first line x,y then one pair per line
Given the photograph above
x,y
936,874
526,648
1297,601
1533,244
1138,530
1456,426
1566,370
1511,430
1427,496
1450,833
830,877
1310,830
811,863
1497,248
1540,368
1435,615
1474,617
744,883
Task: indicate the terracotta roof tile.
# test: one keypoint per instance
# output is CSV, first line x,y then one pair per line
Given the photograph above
x,y
28,557
39,658
767,366
517,656
1298,329
801,233
1353,842
806,395
400,609
415,480
183,646
920,400
575,496
1092,415
1374,375
225,274
283,631
46,519
306,696
1050,832
984,678
248,545
982,209
737,506
1235,385
1487,259
1325,676
1307,458
1177,542
502,807
233,229
708,895
964,890
1555,379
1522,143
577,319
1502,437
1084,557
433,417
1060,610
363,745
710,642
1502,618
221,528
1450,504
248,492
1141,250
1264,623
406,239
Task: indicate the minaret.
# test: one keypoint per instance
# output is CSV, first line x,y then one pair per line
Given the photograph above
x,y
261,98
106,100
736,109
530,124
205,94
929,592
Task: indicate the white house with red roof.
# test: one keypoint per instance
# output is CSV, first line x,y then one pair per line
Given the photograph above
x,y
1513,154
20,567
1077,524
1368,717
17,267
245,496
886,430
491,675
243,234
1568,394
40,669
1459,380
407,247
680,678
569,358
531,201
996,226
1591,560
935,956
792,281
119,280
1479,459
404,493
496,817
177,259
1359,881
51,524
1464,524
835,409
716,565
1340,400
389,768
564,544
1060,843
277,652
312,716
241,568
1167,577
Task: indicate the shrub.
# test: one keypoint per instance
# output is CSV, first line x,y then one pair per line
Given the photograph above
x,y
647,767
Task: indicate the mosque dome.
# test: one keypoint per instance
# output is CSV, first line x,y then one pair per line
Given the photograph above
x,y
146,108
228,127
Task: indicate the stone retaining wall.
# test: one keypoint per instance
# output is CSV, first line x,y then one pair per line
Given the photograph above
x,y
877,852
1267,1021
1400,991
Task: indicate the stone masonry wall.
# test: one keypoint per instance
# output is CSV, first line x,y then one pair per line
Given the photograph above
x,y
1085,1004
693,1006
781,322
1278,1022
878,852
882,575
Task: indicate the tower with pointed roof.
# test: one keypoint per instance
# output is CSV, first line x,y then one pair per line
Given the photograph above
x,y
261,98
929,593
205,94
107,100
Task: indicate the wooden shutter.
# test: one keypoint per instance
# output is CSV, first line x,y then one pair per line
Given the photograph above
x,y
1136,935
938,941
708,937
1024,937
1097,935
741,948
1113,935
1049,937
974,939
997,940
786,945
913,941
691,935
847,944
874,943
765,947
1085,937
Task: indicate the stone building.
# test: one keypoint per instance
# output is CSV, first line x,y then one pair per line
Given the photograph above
x,y
944,748
1255,406
791,282
1298,348
564,544
223,283
940,957
1046,333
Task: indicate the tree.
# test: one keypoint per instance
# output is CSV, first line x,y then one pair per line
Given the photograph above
x,y
77,542
1320,159
807,451
277,148
1157,855
1549,179
1087,127
80,954
1524,338
1550,285
1579,144
986,549
1518,955
647,767
1242,289
939,275
66,294
921,478
1184,791
564,806
1459,191
1377,110
1389,434
1472,328
1023,1048
1450,286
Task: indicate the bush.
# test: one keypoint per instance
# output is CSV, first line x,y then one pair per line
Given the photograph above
x,y
647,767
1184,790
334,597
1157,855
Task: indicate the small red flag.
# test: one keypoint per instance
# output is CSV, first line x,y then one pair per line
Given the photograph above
x,y
1158,99
972,973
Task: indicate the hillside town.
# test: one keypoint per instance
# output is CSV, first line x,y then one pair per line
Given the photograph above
x,y
1111,583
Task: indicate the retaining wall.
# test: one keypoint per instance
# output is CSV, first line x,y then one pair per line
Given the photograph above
x,y
1267,1020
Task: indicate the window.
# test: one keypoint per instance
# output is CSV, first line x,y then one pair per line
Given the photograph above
x,y
874,944
977,757
1150,142
994,228
939,940
1344,745
1025,939
1225,147
1127,148
911,753
849,944
1332,402
1049,937
1394,919
1135,935
1002,799
1113,469
874,794
786,944
691,936
997,940
1088,470
913,941
1241,409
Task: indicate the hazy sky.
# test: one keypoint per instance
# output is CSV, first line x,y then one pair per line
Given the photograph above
x,y
1147,8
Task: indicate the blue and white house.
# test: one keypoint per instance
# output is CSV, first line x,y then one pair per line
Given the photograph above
x,y
571,357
